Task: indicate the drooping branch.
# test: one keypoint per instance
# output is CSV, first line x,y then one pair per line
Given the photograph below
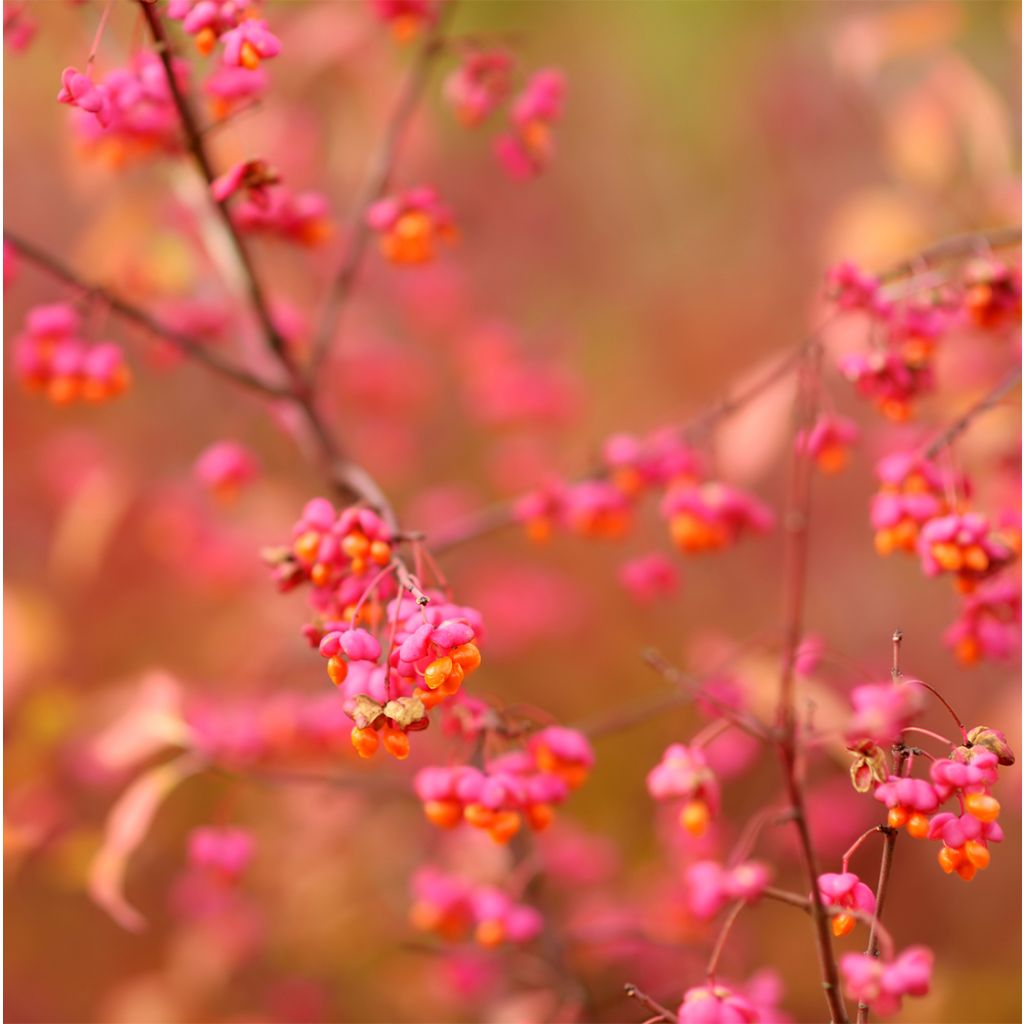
x,y
189,347
377,182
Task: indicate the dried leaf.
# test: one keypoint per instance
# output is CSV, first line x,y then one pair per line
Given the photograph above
x,y
153,722
869,766
994,740
405,711
363,710
127,824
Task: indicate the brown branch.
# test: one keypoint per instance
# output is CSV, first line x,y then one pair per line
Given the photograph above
x,y
688,690
377,181
723,936
891,835
662,1013
197,147
188,346
350,481
501,515
797,521
972,243
803,903
987,401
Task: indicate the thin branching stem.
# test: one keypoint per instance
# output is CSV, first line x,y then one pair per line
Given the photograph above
x,y
662,1013
197,147
797,522
190,347
990,400
378,179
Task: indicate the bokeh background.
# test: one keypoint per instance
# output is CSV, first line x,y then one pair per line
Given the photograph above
x,y
714,160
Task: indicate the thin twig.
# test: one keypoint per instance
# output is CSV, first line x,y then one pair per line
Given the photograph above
x,y
502,515
197,147
377,181
987,401
835,910
128,311
972,243
690,689
663,1013
797,518
891,835
723,936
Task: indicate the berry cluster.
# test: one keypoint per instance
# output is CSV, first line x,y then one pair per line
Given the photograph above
x,y
406,18
269,208
225,468
245,39
910,513
479,85
910,494
847,892
883,713
989,622
527,148
684,774
129,113
715,1003
410,225
964,546
221,853
453,909
523,785
711,885
882,984
828,442
348,559
702,514
51,357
